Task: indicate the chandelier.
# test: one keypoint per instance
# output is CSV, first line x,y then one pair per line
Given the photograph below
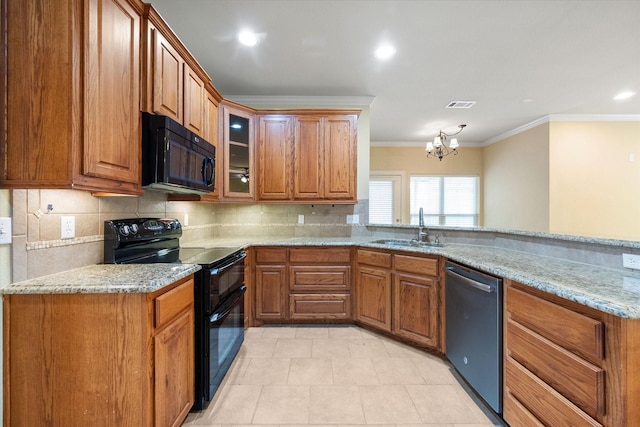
x,y
438,147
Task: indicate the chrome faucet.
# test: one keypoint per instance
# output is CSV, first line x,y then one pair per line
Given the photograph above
x,y
423,232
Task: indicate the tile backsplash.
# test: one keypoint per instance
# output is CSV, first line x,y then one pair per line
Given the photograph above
x,y
38,250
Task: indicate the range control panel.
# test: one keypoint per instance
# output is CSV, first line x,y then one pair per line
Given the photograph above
x,y
124,231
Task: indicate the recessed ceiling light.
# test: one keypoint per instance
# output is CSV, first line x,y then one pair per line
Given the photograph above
x,y
385,51
248,38
527,100
623,95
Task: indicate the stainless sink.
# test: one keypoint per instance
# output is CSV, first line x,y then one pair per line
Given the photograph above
x,y
405,243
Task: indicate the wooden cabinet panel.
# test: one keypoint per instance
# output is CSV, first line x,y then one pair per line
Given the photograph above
x,y
168,79
373,297
303,283
172,303
406,304
71,77
270,288
112,92
194,102
549,406
567,328
415,308
551,379
304,278
517,414
97,359
53,347
320,255
576,379
275,138
380,259
319,306
412,264
271,255
212,122
339,157
174,370
308,161
307,155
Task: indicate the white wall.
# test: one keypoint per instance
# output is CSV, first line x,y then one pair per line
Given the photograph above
x,y
516,181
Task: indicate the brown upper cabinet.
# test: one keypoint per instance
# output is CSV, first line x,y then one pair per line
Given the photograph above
x,y
275,144
175,84
307,156
238,141
72,95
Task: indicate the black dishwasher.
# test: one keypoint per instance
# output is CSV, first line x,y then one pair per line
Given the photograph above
x,y
474,330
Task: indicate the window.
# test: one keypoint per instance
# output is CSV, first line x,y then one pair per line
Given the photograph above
x,y
385,199
446,200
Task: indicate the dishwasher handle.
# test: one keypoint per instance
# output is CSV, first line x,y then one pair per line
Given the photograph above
x,y
480,286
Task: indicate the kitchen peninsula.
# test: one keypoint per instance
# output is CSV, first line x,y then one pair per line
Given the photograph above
x,y
99,345
595,294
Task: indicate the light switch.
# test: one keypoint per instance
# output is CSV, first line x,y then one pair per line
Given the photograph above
x,y
5,231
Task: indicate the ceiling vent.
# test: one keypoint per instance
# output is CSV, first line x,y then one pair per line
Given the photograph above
x,y
461,104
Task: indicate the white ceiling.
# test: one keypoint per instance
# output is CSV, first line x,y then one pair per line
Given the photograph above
x,y
568,57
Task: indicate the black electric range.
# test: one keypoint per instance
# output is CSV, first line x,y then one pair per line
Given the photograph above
x,y
218,290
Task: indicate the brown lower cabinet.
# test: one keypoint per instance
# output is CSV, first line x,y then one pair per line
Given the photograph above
x,y
120,359
399,293
567,364
302,284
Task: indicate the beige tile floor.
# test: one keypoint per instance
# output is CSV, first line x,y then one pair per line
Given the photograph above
x,y
338,376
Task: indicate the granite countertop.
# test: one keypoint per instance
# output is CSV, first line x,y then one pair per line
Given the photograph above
x,y
609,290
105,278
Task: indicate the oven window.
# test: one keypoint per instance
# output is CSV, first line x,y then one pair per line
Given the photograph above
x,y
226,336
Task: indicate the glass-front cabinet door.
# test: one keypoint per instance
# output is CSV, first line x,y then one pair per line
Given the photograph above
x,y
239,151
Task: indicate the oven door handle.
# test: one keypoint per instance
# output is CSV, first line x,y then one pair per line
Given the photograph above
x,y
227,305
225,267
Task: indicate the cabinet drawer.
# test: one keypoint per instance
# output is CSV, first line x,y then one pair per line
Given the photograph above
x,y
170,304
541,400
320,278
320,306
516,414
271,255
380,259
411,264
571,330
573,377
315,255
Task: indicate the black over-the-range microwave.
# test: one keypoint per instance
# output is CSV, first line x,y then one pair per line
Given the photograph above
x,y
174,159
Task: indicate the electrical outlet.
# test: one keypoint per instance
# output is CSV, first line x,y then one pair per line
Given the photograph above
x,y
353,219
5,231
67,227
631,261
300,219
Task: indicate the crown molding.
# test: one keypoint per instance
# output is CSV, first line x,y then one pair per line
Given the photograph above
x,y
315,101
594,117
563,118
